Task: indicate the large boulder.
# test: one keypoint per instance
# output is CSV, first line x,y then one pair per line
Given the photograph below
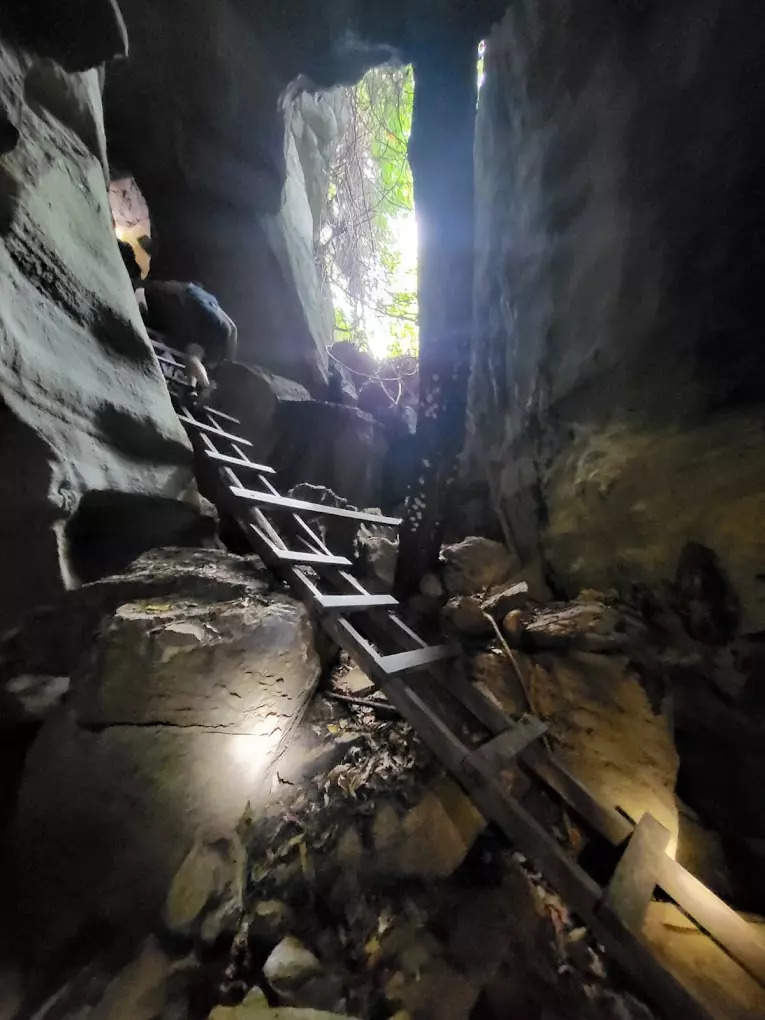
x,y
89,434
253,395
176,715
333,445
474,564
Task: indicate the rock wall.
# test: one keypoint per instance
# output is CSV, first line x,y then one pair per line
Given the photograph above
x,y
86,426
615,397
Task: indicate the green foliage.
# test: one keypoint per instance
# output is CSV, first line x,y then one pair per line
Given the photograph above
x,y
368,217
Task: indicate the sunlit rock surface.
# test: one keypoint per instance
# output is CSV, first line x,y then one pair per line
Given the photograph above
x,y
615,402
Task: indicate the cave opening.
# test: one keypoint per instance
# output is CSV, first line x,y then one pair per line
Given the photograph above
x,y
367,244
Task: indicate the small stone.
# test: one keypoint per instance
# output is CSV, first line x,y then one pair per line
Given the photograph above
x,y
254,1005
270,920
512,625
30,698
205,897
513,597
438,832
139,991
350,850
289,966
464,613
356,680
386,828
495,676
591,626
430,585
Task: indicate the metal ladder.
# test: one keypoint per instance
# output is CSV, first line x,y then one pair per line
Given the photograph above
x,y
473,738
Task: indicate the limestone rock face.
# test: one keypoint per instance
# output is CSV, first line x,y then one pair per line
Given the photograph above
x,y
613,401
89,434
175,717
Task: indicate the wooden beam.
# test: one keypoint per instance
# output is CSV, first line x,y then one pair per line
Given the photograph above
x,y
187,419
501,751
631,887
303,506
740,939
215,413
580,892
240,462
352,603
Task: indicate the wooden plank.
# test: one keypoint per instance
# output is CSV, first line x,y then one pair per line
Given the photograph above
x,y
740,939
171,364
224,458
631,887
221,414
353,603
577,888
736,936
402,662
188,420
605,820
501,751
156,343
298,556
378,664
286,503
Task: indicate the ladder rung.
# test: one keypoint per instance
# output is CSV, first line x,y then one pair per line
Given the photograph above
x,y
165,348
222,415
501,751
418,657
286,503
224,458
298,557
211,430
172,364
353,603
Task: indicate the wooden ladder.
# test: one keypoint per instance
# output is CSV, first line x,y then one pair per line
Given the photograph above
x,y
473,738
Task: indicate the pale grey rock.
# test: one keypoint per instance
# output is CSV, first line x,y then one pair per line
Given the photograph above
x,y
30,697
205,897
290,965
464,614
378,557
139,991
270,920
592,626
255,1007
431,587
474,564
499,604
